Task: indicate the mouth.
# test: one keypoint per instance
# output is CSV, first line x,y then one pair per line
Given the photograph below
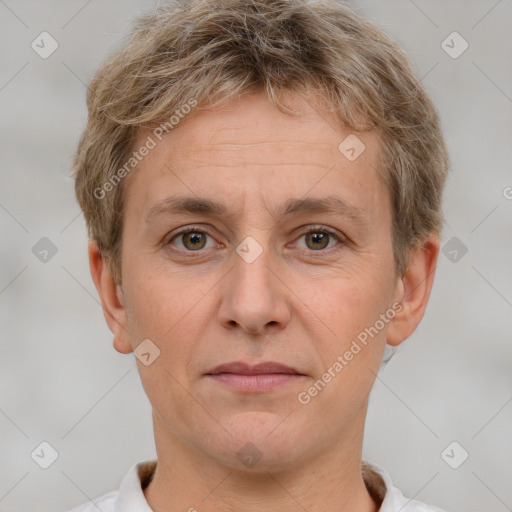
x,y
254,378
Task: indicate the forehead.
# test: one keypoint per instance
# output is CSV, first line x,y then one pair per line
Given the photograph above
x,y
247,147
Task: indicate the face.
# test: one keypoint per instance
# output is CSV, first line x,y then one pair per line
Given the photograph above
x,y
255,253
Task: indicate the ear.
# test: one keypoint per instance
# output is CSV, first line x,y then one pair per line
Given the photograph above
x,y
112,299
414,289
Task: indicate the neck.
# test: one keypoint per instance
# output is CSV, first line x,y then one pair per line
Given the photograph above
x,y
186,479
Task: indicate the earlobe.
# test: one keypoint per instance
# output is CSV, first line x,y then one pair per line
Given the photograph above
x,y
112,299
414,290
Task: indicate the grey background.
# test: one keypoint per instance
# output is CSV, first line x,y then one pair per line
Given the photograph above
x,y
62,382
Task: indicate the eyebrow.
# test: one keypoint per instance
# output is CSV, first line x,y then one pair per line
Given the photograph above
x,y
198,205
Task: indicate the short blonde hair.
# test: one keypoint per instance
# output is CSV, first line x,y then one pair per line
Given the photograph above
x,y
213,50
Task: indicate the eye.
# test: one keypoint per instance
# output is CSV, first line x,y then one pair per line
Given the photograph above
x,y
319,238
192,239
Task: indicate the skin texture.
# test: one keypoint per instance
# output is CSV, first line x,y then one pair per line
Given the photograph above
x,y
298,304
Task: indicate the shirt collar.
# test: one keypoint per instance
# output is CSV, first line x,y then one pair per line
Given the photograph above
x,y
131,495
381,488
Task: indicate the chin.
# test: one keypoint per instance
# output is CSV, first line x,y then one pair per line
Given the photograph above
x,y
261,442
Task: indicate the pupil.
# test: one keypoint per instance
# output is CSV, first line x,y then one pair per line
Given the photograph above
x,y
319,238
195,240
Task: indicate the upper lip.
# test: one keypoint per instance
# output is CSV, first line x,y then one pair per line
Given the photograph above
x,y
242,368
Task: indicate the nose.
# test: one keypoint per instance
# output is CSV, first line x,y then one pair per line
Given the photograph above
x,y
254,298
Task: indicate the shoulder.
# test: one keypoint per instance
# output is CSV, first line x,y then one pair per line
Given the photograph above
x,y
417,506
380,486
130,495
105,503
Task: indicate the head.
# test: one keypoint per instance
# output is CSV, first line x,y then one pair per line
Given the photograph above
x,y
294,143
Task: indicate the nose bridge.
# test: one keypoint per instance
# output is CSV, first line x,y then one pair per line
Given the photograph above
x,y
252,297
252,272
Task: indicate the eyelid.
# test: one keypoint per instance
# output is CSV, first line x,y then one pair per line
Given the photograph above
x,y
320,227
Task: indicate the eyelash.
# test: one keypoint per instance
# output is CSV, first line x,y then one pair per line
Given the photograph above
x,y
312,229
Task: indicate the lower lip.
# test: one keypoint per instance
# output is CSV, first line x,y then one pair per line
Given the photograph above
x,y
255,383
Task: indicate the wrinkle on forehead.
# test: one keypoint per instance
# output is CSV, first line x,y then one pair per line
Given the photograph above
x,y
320,155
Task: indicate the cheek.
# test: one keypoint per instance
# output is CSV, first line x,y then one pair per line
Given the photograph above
x,y
350,352
162,308
159,298
346,309
343,303
173,311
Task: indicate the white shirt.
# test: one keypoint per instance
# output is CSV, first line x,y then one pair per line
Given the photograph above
x,y
130,496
